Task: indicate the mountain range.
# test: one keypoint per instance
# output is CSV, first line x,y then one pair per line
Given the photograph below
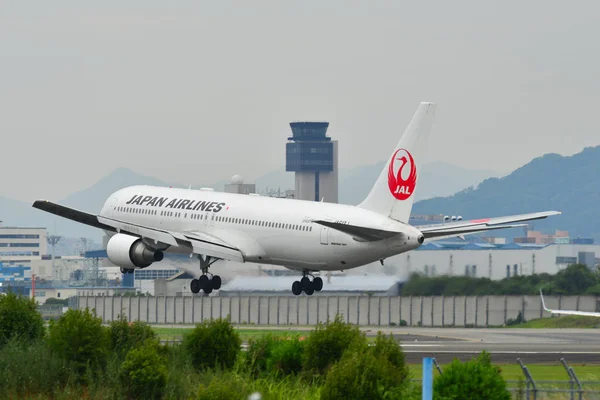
x,y
354,184
551,182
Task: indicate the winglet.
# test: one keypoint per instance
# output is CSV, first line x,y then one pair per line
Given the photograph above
x,y
543,303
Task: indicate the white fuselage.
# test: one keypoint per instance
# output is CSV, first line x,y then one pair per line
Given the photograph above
x,y
266,230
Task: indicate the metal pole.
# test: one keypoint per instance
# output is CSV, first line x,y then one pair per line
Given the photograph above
x,y
529,378
427,379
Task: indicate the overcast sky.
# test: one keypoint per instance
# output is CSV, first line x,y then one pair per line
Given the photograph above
x,y
196,91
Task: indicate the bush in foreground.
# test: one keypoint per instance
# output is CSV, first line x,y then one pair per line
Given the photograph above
x,y
125,336
31,370
387,348
213,344
144,372
473,380
327,343
360,374
19,319
286,357
257,353
79,337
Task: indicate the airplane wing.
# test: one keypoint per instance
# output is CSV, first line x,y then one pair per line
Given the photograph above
x,y
359,232
199,243
568,312
460,228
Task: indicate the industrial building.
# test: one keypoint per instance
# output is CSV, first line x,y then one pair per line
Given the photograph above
x,y
19,248
494,261
313,157
238,186
22,244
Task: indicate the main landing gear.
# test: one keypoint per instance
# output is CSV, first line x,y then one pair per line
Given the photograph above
x,y
126,270
306,285
206,283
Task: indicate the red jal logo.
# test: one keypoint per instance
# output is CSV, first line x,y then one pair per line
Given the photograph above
x,y
402,188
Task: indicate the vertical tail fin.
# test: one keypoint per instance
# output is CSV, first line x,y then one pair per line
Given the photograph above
x,y
393,193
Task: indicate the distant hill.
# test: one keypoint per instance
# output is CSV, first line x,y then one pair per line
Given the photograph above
x,y
355,183
436,179
552,182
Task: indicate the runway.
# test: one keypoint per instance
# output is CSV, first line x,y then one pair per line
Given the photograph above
x,y
533,346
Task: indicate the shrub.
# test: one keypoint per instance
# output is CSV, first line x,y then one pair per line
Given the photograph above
x,y
327,343
55,301
182,378
224,386
516,321
20,319
144,372
361,375
124,335
286,357
31,369
213,344
79,337
387,348
258,352
475,379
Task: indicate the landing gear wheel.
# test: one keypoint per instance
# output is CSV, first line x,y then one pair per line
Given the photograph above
x,y
123,270
195,286
216,282
317,283
305,281
296,288
204,282
309,291
208,288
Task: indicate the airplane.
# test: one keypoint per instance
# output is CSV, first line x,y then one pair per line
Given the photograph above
x,y
568,312
143,222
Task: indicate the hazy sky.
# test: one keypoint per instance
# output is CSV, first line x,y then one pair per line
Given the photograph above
x,y
196,91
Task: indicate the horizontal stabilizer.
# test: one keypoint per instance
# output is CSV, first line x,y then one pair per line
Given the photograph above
x,y
359,232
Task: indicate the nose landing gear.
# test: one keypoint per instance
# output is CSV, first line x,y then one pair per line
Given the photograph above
x,y
307,285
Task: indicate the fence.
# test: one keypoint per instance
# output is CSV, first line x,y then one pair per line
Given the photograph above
x,y
459,311
530,389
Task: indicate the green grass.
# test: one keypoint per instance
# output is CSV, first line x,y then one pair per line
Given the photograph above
x,y
513,372
245,333
565,321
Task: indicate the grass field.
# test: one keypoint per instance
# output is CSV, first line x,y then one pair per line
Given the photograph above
x,y
565,321
513,372
245,333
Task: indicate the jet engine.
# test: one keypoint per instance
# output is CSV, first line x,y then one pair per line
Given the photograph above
x,y
131,252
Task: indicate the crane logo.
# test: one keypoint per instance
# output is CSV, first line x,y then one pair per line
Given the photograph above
x,y
402,178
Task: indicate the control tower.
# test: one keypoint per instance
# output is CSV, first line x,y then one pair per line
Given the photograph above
x,y
313,156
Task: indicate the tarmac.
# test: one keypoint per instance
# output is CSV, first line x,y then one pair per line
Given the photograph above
x,y
532,346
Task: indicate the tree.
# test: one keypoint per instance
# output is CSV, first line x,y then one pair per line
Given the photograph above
x,y
575,279
19,318
144,372
327,343
213,344
79,337
124,335
473,380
